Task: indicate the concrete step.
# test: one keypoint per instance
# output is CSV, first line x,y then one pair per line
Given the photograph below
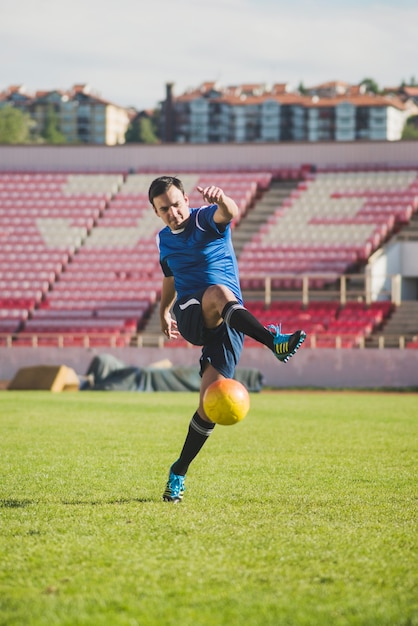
x,y
259,214
402,323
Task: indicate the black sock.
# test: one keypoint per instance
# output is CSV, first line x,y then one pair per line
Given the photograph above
x,y
199,431
238,317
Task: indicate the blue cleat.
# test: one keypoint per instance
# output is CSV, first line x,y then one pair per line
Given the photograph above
x,y
285,345
175,488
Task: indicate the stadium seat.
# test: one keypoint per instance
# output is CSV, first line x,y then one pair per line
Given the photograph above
x,y
78,252
342,212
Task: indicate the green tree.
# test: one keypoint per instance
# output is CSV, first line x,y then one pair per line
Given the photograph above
x,y
410,130
371,85
15,126
133,132
143,129
51,132
411,83
147,130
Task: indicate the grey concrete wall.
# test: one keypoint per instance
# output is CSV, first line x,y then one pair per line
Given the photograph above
x,y
199,157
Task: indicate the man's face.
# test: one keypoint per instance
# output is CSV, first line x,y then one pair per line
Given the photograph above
x,y
173,208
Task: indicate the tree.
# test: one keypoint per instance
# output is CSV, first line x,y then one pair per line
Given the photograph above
x,y
410,130
51,132
147,131
15,126
371,85
411,83
133,132
142,129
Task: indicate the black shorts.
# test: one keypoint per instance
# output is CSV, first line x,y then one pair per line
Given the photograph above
x,y
222,346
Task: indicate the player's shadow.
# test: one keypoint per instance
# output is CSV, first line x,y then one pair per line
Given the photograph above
x,y
120,501
15,504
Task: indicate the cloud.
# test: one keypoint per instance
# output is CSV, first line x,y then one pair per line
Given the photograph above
x,y
128,50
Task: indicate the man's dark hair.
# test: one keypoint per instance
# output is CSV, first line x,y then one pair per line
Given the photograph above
x,y
161,184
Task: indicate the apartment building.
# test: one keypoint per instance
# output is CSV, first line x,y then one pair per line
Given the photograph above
x,y
334,111
81,115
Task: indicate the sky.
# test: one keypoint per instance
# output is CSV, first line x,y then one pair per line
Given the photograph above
x,y
127,50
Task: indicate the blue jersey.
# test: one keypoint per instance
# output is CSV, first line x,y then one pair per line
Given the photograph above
x,y
200,255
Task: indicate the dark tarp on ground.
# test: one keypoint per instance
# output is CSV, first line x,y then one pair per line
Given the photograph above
x,y
107,373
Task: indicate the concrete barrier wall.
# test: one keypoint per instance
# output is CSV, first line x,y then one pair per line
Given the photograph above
x,y
309,368
91,158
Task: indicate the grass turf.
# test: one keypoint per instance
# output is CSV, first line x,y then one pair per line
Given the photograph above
x,y
303,514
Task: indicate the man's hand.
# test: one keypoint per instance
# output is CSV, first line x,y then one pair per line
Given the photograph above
x,y
169,327
212,194
227,209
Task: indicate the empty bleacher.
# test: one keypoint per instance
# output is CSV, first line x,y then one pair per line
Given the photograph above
x,y
32,254
330,224
44,220
79,265
79,256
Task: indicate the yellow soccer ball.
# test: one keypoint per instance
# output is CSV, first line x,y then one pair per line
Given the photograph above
x,y
226,401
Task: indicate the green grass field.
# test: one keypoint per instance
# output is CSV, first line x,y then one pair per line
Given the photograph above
x,y
303,514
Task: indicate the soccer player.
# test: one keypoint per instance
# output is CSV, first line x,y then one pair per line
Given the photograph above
x,y
201,280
